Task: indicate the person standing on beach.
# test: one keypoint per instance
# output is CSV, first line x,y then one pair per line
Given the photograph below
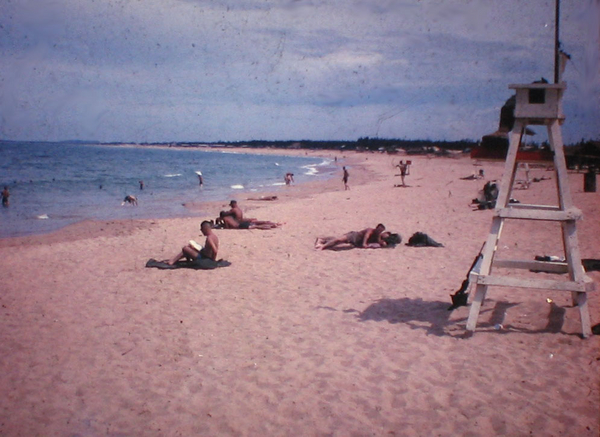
x,y
5,196
192,252
345,178
200,179
403,171
141,185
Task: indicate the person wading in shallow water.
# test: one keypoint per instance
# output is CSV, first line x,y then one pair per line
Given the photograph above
x,y
5,196
132,200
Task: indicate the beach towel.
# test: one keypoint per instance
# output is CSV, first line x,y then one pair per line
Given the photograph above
x,y
199,264
419,239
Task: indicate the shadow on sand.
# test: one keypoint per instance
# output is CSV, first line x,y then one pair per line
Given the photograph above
x,y
434,318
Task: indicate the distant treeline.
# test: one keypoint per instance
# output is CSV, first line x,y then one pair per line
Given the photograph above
x,y
589,147
366,143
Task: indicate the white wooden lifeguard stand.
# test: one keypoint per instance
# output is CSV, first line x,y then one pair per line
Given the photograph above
x,y
537,104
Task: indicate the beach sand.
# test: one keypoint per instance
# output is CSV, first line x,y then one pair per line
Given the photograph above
x,y
292,341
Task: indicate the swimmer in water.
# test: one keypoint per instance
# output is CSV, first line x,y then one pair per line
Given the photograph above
x,y
132,200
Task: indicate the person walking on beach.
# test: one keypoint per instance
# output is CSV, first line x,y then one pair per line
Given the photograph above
x,y
193,251
345,178
5,196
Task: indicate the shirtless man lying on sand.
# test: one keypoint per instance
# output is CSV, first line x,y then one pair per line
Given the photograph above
x,y
192,252
234,219
369,238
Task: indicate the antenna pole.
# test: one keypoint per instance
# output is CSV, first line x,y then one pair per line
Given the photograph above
x,y
557,42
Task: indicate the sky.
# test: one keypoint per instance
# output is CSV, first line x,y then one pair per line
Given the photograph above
x,y
238,70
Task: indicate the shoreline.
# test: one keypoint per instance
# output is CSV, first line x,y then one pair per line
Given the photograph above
x,y
91,228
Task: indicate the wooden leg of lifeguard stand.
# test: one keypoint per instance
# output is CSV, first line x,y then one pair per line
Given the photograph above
x,y
586,329
569,227
491,244
476,306
485,268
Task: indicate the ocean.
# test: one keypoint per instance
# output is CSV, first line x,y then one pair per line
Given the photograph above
x,y
56,184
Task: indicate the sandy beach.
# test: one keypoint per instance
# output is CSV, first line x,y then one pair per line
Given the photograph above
x,y
290,341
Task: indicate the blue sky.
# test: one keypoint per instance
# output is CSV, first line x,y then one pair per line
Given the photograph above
x,y
201,70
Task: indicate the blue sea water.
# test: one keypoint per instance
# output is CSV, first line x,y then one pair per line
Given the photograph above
x,y
56,184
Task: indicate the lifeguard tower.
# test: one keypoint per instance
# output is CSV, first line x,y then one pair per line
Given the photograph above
x,y
536,104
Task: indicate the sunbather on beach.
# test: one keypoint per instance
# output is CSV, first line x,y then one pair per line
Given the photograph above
x,y
234,219
228,222
235,212
369,238
193,252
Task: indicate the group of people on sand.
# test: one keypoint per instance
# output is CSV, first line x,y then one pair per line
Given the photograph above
x,y
369,238
232,219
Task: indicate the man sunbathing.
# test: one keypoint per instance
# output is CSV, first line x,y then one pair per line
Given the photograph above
x,y
228,222
235,212
193,251
234,219
368,238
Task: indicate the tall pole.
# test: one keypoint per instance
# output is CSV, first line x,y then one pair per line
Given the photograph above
x,y
557,42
